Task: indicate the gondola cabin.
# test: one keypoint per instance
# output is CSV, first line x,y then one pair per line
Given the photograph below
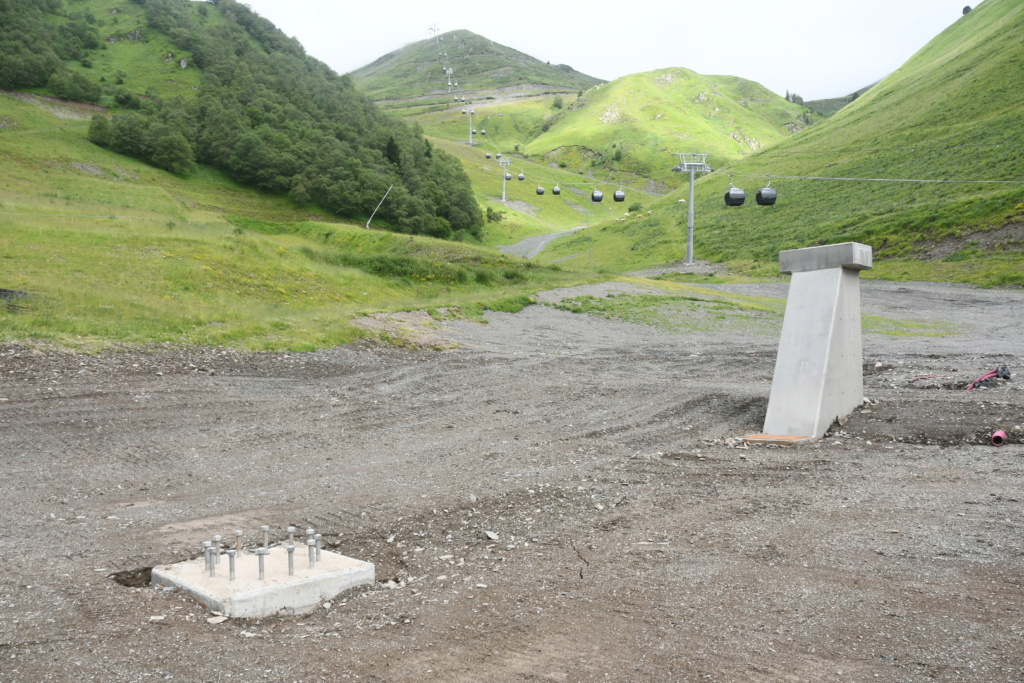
x,y
540,190
522,176
556,190
596,196
508,176
488,155
735,196
766,196
619,196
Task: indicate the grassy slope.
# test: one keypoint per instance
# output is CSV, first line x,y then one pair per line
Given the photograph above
x,y
115,250
949,113
649,117
514,123
141,65
478,64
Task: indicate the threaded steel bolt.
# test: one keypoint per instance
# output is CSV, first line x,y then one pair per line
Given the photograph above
x,y
312,553
319,544
210,563
216,549
206,554
291,560
231,565
238,541
261,553
266,535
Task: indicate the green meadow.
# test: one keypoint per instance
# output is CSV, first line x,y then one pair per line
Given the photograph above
x,y
115,251
112,250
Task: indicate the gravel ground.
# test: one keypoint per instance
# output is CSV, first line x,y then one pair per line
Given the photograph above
x,y
561,498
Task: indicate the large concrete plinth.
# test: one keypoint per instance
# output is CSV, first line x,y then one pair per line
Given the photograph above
x,y
818,374
248,596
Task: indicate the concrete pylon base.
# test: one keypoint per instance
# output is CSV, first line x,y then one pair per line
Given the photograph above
x,y
277,593
819,370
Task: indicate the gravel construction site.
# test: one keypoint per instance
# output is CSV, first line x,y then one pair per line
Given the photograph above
x,y
551,496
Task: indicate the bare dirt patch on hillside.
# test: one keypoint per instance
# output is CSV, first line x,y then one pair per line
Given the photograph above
x,y
561,498
1007,238
62,109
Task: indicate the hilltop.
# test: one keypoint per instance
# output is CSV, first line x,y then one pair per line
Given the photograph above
x,y
636,124
478,65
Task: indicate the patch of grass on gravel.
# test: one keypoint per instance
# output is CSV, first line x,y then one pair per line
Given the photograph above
x,y
686,308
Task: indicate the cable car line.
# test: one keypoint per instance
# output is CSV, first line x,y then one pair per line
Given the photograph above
x,y
882,149
879,180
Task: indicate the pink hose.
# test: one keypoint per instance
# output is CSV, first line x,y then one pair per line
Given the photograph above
x,y
999,438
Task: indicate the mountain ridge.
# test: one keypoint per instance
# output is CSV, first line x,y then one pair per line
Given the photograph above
x,y
477,63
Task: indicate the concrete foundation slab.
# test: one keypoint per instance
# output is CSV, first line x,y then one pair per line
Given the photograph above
x,y
277,593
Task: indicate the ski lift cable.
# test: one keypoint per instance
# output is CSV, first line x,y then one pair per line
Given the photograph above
x,y
882,149
876,180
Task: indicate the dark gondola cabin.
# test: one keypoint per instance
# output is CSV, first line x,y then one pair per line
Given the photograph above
x,y
508,176
766,196
619,196
488,155
540,190
596,196
735,196
556,190
522,177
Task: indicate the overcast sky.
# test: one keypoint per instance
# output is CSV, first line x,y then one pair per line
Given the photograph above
x,y
816,48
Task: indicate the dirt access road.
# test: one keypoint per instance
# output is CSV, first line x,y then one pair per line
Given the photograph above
x,y
559,499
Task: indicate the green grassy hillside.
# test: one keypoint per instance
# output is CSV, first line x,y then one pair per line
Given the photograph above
x,y
113,250
636,123
216,84
478,64
951,113
629,130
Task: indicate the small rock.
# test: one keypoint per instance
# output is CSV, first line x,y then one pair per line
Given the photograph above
x,y
216,620
481,585
491,535
157,618
472,498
